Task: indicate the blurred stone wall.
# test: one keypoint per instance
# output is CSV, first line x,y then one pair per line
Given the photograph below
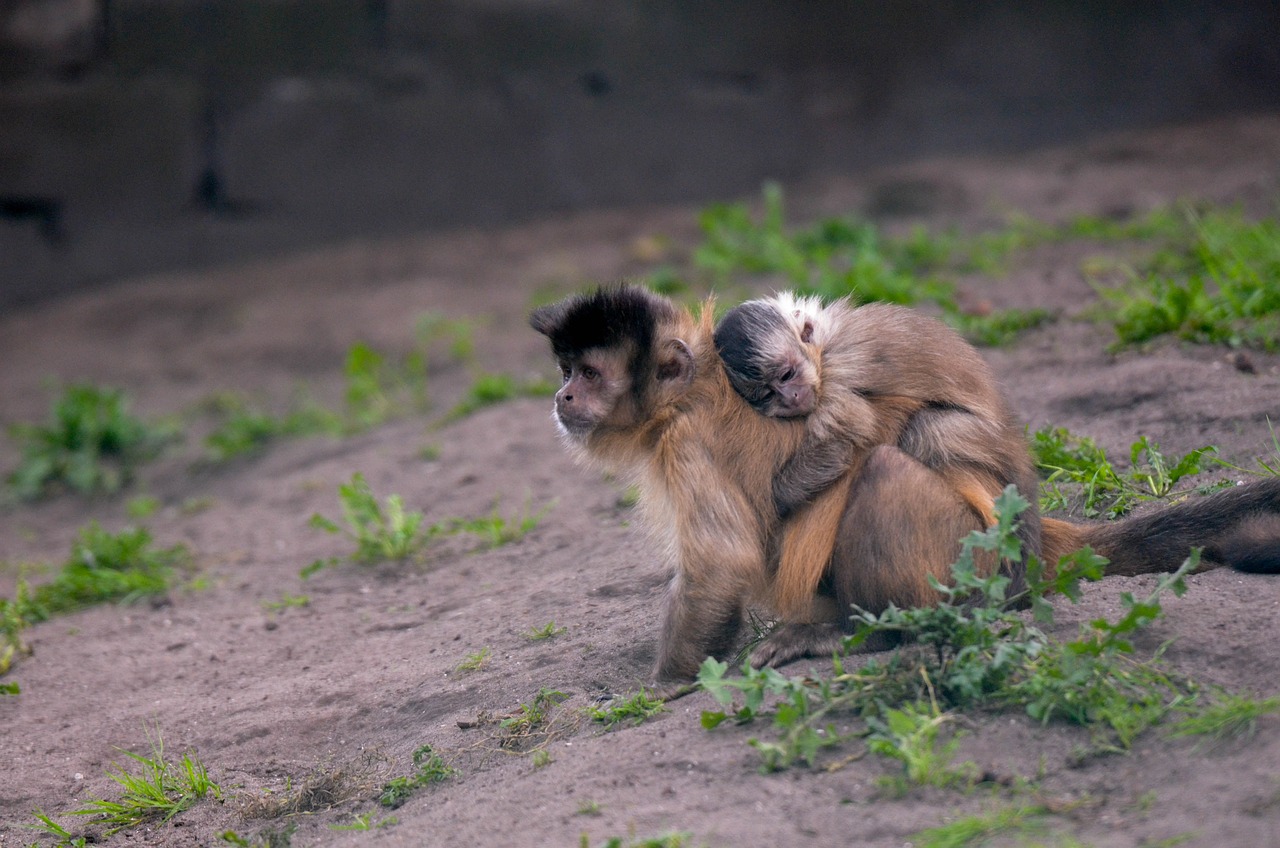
x,y
138,135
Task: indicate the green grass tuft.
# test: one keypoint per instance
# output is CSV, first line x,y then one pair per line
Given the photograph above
x,y
977,830
474,661
841,257
456,334
496,530
1078,463
378,388
546,631
159,791
92,444
15,617
243,430
1220,287
666,840
1228,716
103,567
491,389
529,717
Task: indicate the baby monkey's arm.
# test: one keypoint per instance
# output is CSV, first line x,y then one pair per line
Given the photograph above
x,y
818,463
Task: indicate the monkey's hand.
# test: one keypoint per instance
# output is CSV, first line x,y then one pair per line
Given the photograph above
x,y
790,642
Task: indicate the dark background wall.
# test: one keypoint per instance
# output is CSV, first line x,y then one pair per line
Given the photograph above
x,y
139,135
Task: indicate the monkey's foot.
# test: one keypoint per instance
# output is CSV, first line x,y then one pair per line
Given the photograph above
x,y
790,642
670,691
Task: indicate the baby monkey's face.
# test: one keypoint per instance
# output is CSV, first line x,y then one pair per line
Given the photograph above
x,y
792,389
769,358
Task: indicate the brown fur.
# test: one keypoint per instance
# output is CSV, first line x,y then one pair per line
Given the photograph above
x,y
703,458
808,539
883,375
646,393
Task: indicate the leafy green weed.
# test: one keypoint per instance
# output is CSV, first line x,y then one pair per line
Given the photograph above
x,y
429,768
1223,287
103,567
489,389
913,735
386,532
1079,462
381,532
973,649
637,709
92,444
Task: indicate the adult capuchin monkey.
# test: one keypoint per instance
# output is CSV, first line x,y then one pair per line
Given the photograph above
x,y
838,368
645,393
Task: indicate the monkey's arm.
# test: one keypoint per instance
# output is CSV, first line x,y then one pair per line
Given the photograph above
x,y
719,561
701,619
812,469
845,424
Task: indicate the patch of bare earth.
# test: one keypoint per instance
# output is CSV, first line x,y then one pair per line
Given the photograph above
x,y
331,699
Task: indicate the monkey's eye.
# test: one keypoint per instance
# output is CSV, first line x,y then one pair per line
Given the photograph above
x,y
786,376
589,373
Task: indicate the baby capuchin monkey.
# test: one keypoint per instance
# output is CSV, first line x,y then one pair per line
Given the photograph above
x,y
860,377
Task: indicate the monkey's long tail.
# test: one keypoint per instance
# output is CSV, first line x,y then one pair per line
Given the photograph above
x,y
1239,527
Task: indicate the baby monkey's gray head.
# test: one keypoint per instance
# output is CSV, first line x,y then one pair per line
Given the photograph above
x,y
765,361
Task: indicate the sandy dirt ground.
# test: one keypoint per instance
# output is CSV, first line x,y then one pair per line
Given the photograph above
x,y
334,696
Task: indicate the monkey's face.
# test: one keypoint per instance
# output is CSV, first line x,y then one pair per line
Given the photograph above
x,y
768,358
620,361
788,360
782,387
791,389
595,392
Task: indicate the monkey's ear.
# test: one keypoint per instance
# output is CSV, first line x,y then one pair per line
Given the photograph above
x,y
675,362
806,332
546,319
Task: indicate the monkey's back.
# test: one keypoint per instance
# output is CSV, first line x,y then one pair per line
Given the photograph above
x,y
884,349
